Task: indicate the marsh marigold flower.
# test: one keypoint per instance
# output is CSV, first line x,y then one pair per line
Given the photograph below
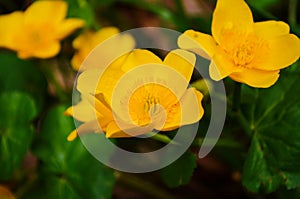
x,y
87,41
247,52
136,94
37,31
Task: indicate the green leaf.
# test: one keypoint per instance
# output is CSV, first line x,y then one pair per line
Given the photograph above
x,y
179,172
274,118
68,170
21,75
17,110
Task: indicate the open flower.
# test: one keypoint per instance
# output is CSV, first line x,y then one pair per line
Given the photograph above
x,y
37,31
136,94
247,52
87,41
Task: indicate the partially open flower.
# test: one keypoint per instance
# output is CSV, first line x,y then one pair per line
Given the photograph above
x,y
247,52
37,31
87,41
136,94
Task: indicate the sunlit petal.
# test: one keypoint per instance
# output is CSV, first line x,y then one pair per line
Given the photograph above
x,y
271,29
231,15
197,42
256,78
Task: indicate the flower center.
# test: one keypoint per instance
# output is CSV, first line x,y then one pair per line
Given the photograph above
x,y
241,47
149,101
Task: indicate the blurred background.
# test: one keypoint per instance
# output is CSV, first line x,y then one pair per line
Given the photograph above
x,y
37,161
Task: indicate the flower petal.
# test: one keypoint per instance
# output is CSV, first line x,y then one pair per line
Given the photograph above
x,y
82,111
113,130
220,66
50,12
44,51
271,29
182,61
67,26
191,110
137,58
283,51
231,15
256,78
197,42
11,24
88,80
113,51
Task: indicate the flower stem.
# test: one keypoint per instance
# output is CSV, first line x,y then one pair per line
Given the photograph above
x,y
293,12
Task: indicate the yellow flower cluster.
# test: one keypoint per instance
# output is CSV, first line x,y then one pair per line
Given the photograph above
x,y
246,51
37,31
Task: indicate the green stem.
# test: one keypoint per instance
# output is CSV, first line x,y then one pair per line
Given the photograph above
x,y
162,138
143,186
293,12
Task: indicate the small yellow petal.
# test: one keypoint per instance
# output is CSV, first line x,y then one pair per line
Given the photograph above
x,y
139,57
67,26
69,111
271,29
220,66
182,61
256,78
231,14
191,110
50,12
197,42
72,136
114,131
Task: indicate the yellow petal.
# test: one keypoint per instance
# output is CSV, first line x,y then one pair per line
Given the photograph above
x,y
139,57
72,136
87,81
104,111
11,25
49,12
256,78
182,61
231,15
113,130
110,50
84,111
191,110
68,26
104,33
271,29
44,51
197,42
220,66
283,51
69,111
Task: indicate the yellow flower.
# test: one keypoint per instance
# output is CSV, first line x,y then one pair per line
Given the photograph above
x,y
247,52
86,42
37,31
136,94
